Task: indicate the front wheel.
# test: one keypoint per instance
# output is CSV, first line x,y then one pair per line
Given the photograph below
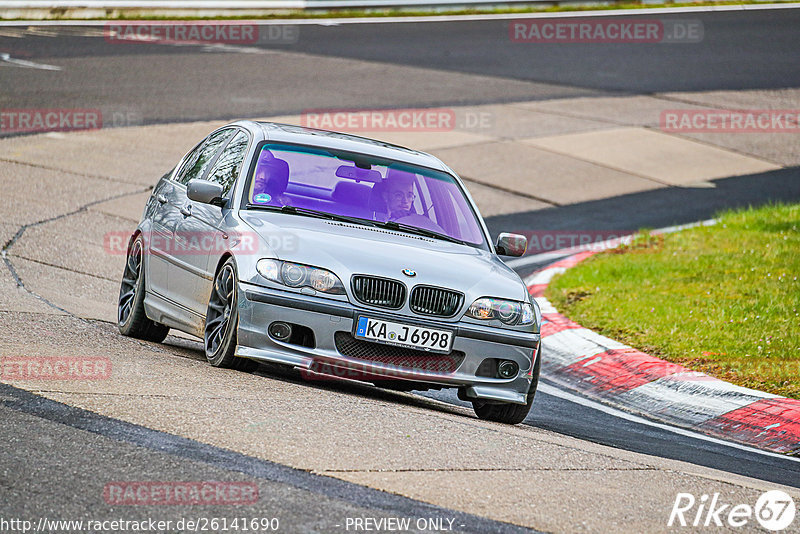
x,y
131,318
508,413
222,321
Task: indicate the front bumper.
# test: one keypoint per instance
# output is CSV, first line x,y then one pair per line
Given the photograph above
x,y
259,307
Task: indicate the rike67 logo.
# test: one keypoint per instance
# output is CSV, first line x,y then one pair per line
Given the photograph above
x,y
774,510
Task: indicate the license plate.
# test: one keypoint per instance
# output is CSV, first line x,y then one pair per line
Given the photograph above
x,y
402,335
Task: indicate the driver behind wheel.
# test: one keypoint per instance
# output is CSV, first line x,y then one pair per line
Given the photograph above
x,y
399,194
270,180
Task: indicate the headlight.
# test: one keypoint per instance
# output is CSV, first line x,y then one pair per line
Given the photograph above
x,y
537,314
508,312
270,269
297,275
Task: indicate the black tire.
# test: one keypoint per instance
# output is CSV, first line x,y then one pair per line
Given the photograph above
x,y
131,318
510,414
222,321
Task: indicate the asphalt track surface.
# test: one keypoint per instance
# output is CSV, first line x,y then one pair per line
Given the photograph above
x,y
166,83
734,55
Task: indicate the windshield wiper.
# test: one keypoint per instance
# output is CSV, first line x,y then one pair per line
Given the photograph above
x,y
394,225
311,213
389,225
325,215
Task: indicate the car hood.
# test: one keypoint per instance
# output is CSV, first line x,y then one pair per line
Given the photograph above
x,y
348,249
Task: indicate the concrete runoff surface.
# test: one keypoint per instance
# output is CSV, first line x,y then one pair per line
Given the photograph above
x,y
423,449
654,155
89,479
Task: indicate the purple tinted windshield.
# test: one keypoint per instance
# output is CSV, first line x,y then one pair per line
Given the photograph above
x,y
372,189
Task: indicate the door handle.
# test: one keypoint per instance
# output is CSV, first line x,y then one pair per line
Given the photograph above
x,y
186,210
162,199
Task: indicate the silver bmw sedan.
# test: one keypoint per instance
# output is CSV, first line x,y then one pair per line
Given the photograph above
x,y
338,255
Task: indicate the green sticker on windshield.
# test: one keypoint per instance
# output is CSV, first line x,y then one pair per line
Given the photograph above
x,y
262,198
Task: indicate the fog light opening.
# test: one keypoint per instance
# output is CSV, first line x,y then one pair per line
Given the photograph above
x,y
280,331
507,369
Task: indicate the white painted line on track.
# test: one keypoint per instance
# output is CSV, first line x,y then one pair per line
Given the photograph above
x,y
431,18
679,227
538,258
551,390
517,263
6,58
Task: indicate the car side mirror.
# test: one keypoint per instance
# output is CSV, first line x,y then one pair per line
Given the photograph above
x,y
511,244
205,192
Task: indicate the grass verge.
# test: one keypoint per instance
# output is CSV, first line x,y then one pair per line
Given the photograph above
x,y
722,299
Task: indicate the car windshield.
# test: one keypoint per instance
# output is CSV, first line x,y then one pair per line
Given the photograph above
x,y
384,192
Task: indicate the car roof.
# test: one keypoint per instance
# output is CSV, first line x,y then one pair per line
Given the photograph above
x,y
288,133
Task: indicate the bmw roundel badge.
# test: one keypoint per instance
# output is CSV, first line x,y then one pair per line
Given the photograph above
x,y
409,272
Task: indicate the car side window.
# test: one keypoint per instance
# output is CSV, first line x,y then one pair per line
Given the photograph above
x,y
229,163
197,161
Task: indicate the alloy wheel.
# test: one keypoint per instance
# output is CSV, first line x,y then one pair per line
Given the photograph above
x,y
130,279
220,309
